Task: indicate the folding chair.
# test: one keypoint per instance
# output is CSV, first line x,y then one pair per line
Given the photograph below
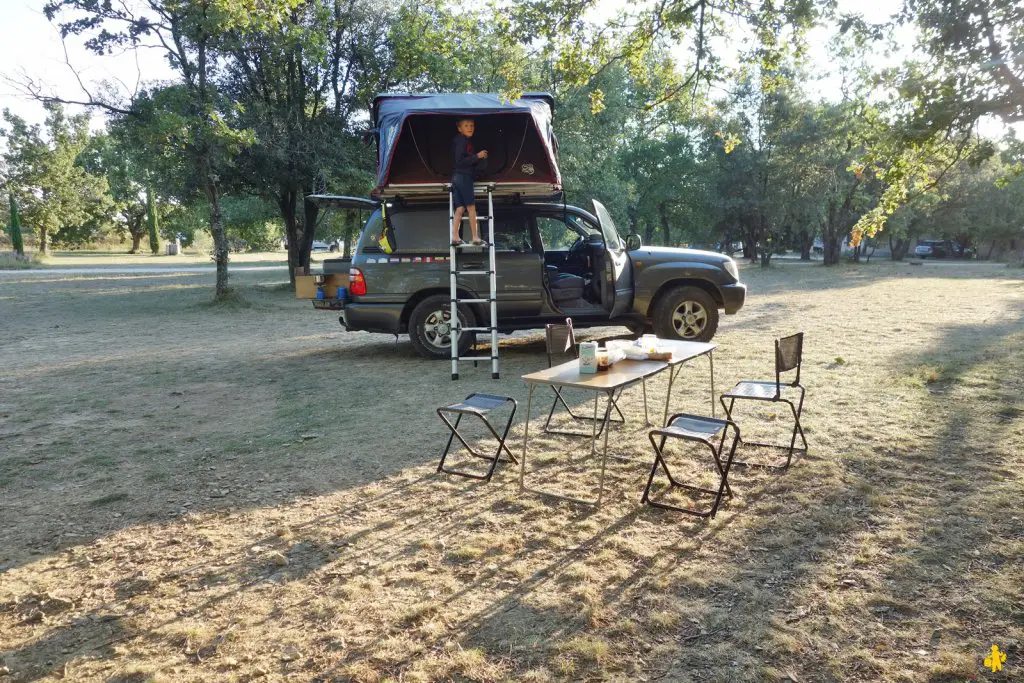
x,y
788,356
479,405
697,429
561,347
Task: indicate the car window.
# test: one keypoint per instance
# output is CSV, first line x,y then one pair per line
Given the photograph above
x,y
511,233
416,231
557,234
582,225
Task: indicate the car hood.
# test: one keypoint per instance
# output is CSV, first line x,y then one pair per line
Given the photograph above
x,y
670,254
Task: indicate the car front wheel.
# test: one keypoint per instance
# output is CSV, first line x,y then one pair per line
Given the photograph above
x,y
430,328
686,313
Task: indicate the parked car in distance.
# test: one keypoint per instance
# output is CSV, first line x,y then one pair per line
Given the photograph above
x,y
320,245
941,249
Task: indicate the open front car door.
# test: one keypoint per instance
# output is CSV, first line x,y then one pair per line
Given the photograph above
x,y
616,271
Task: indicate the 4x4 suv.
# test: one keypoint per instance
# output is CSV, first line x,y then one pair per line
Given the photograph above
x,y
553,261
941,249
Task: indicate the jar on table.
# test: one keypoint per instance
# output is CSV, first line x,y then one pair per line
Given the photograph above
x,y
602,359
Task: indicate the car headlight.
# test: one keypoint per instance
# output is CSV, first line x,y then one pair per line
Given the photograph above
x,y
730,267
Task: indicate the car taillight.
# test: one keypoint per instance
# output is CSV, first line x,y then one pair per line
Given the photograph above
x,y
356,282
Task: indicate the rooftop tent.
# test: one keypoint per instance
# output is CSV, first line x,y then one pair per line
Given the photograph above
x,y
414,143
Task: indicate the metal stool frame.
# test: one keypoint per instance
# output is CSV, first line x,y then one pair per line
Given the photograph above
x,y
788,356
480,413
668,432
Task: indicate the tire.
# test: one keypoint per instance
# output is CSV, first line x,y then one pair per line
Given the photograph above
x,y
670,315
334,248
427,323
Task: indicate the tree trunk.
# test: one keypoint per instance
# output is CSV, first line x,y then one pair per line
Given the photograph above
x,y
347,253
649,233
43,246
136,240
898,247
806,244
728,244
151,222
750,242
300,240
664,224
991,248
220,237
830,241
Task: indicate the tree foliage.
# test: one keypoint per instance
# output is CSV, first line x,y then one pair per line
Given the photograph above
x,y
44,171
271,101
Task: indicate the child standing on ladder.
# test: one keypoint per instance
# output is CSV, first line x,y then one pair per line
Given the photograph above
x,y
467,161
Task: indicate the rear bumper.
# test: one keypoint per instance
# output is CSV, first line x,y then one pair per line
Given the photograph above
x,y
733,297
385,318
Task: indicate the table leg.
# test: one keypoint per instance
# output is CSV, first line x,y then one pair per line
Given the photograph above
x,y
604,455
593,436
711,360
672,372
647,419
526,437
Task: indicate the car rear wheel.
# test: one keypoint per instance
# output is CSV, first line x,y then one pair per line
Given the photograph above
x,y
430,328
686,313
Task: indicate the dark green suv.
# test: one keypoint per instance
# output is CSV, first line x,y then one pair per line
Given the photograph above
x,y
553,261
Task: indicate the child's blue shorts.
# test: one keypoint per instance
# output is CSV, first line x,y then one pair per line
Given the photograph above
x,y
462,190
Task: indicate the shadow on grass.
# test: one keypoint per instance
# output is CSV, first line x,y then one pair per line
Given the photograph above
x,y
288,392
755,623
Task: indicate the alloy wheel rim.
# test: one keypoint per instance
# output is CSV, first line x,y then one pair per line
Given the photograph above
x,y
437,329
689,319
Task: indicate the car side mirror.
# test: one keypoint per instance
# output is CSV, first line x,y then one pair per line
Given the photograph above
x,y
633,242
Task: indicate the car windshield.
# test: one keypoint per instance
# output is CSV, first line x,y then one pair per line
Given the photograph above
x,y
581,225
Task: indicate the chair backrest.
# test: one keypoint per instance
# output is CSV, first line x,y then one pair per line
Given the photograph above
x,y
561,343
789,353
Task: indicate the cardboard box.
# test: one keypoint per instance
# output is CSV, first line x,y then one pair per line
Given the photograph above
x,y
333,282
305,286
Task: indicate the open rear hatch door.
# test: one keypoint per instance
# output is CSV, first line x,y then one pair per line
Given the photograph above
x,y
328,290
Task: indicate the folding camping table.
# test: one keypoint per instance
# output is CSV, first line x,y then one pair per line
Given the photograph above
x,y
619,376
623,374
683,351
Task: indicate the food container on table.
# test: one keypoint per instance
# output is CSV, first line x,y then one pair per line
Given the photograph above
x,y
602,360
588,358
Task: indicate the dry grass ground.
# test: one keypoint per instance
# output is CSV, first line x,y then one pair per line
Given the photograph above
x,y
195,493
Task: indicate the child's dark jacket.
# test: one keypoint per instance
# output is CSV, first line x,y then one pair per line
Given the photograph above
x,y
464,156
